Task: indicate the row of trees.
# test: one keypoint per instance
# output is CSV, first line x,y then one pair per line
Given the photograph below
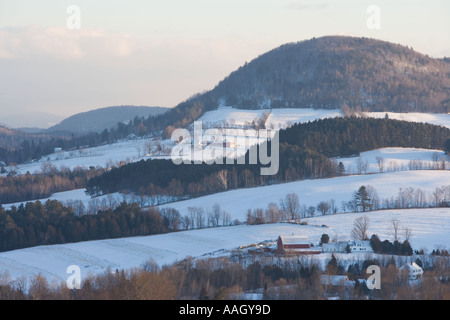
x,y
226,278
51,223
386,247
364,199
362,166
15,188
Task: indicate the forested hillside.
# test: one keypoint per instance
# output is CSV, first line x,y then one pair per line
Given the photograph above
x,y
104,118
49,223
337,71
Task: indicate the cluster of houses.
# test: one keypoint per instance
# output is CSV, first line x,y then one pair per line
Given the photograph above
x,y
297,244
300,245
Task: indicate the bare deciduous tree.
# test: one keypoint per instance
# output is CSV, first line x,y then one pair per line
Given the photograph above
x,y
216,214
380,162
395,228
323,207
360,227
272,213
291,205
362,165
407,232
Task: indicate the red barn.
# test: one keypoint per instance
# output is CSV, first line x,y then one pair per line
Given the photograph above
x,y
294,244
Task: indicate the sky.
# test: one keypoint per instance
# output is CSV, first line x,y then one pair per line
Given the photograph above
x,y
65,57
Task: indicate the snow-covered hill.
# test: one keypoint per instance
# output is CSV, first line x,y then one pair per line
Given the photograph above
x,y
430,229
103,156
311,192
276,118
393,159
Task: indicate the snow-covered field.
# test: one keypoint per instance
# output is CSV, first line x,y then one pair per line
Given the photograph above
x,y
103,156
68,197
432,118
394,159
311,192
430,229
278,118
282,117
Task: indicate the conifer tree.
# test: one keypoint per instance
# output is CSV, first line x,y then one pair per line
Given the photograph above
x,y
362,199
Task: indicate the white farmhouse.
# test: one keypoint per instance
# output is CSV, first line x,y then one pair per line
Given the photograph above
x,y
347,246
359,246
335,247
415,272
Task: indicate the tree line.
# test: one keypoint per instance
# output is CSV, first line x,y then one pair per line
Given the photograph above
x,y
25,187
37,223
228,278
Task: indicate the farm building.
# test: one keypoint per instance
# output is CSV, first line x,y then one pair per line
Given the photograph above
x,y
295,244
415,272
336,280
359,246
347,246
335,247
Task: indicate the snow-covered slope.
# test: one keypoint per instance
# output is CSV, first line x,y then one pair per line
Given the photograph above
x,y
277,118
432,118
392,159
282,117
68,198
103,156
430,229
311,192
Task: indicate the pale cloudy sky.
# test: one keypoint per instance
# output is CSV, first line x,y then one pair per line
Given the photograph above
x,y
160,52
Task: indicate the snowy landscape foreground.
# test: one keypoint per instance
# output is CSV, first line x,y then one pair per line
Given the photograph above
x,y
430,229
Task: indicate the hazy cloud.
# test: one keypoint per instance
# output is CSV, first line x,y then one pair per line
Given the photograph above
x,y
59,70
62,43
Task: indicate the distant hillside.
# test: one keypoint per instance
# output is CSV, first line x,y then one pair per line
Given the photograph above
x,y
334,71
104,118
30,121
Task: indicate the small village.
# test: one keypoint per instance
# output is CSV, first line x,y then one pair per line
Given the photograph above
x,y
299,247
